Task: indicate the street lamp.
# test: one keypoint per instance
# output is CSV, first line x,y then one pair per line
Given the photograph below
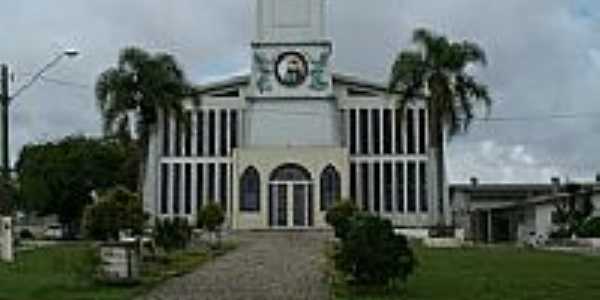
x,y
6,98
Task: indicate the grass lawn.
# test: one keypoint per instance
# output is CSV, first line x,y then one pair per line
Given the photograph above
x,y
64,272
494,273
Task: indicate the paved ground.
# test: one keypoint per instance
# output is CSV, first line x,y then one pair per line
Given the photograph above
x,y
266,265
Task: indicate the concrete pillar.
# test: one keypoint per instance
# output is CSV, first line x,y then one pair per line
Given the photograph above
x,y
6,240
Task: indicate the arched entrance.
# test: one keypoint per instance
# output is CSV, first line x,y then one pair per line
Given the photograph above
x,y
290,197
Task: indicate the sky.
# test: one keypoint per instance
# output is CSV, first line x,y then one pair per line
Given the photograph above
x,y
544,60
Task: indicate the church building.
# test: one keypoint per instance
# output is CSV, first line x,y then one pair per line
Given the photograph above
x,y
277,147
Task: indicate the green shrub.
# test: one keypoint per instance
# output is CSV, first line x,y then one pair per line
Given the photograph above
x,y
172,234
118,209
339,217
590,228
561,233
372,255
211,217
25,234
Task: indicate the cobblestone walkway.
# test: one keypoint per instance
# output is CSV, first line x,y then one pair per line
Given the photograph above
x,y
266,265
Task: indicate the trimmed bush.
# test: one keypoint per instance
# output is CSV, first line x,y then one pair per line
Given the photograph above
x,y
339,217
371,254
211,217
172,234
590,228
118,209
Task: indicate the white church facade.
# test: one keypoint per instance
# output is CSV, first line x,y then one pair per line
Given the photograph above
x,y
279,146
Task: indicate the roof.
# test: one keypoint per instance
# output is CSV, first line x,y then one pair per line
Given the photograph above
x,y
245,80
501,187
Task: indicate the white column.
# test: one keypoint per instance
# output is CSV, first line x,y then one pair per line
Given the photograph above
x,y
6,240
393,121
347,127
194,124
205,133
218,132
290,205
381,187
205,185
405,186
240,133
218,196
171,172
181,189
371,187
359,184
405,131
369,133
394,189
228,132
381,131
172,144
417,188
194,193
357,133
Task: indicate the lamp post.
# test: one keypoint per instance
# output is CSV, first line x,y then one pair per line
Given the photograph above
x,y
6,98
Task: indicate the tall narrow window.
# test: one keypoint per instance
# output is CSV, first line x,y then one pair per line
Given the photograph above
x,y
400,186
200,185
399,136
188,188
250,190
352,127
330,187
364,131
387,131
166,133
177,135
164,188
423,186
387,186
422,133
200,133
223,186
376,131
233,129
211,133
223,133
188,133
412,191
377,187
176,188
353,182
410,131
364,172
211,183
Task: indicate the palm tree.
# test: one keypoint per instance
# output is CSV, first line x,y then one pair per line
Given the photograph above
x,y
436,73
133,92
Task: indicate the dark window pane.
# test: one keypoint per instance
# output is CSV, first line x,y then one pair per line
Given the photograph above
x,y
400,186
290,172
250,190
387,131
223,133
364,131
412,192
376,187
176,187
330,187
387,184
200,184
353,183
422,133
399,135
423,186
352,127
376,131
365,185
200,134
188,189
166,134
410,135
233,124
211,133
211,183
164,188
223,186
188,134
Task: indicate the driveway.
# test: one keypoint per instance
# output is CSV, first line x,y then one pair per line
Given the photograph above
x,y
266,265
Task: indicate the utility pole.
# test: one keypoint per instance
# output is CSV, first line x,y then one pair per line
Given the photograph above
x,y
4,104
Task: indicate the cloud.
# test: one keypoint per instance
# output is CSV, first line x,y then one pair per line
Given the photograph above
x,y
543,60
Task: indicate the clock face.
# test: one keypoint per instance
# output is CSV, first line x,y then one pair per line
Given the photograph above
x,y
291,69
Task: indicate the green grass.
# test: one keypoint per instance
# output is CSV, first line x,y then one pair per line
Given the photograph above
x,y
493,274
66,272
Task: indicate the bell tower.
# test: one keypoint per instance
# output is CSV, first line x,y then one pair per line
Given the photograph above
x,y
291,54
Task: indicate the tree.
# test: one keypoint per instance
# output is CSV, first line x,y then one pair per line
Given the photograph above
x,y
118,209
437,73
339,217
8,196
58,177
211,217
140,85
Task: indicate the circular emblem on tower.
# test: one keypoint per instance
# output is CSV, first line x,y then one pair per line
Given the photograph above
x,y
291,69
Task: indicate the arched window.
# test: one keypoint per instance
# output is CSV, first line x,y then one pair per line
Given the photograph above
x,y
330,187
250,190
290,172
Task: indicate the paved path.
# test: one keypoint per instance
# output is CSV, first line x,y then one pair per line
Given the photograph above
x,y
266,265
